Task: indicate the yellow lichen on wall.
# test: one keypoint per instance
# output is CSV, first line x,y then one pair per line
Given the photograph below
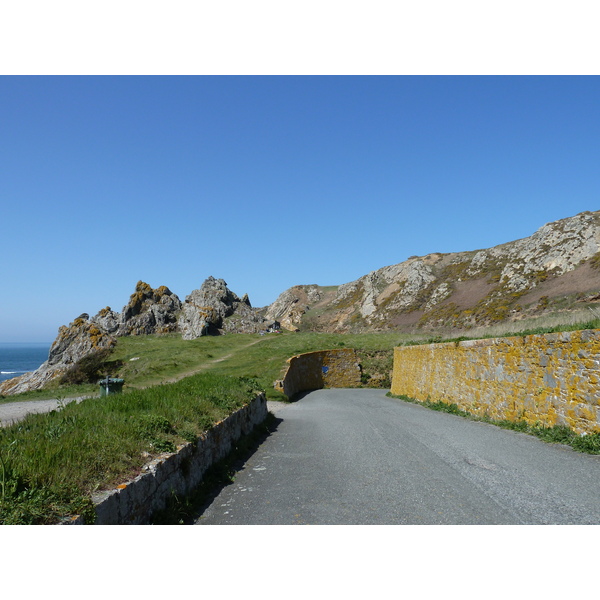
x,y
550,379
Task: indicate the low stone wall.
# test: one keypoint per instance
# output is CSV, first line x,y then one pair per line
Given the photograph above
x,y
550,379
134,502
315,370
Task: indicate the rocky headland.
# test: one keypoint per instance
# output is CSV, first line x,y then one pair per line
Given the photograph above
x,y
211,309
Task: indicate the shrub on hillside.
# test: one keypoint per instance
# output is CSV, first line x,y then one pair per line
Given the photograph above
x,y
90,368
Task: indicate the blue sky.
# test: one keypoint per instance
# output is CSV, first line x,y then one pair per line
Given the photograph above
x,y
271,181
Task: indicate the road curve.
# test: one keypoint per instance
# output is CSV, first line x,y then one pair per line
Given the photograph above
x,y
358,457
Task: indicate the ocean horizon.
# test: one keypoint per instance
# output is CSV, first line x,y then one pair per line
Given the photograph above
x,y
17,358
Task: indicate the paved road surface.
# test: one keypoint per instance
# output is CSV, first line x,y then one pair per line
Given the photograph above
x,y
12,412
358,457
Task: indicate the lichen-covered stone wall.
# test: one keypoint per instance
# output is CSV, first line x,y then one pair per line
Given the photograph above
x,y
337,368
550,379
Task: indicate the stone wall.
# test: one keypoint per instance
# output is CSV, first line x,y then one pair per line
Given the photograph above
x,y
550,379
323,369
134,502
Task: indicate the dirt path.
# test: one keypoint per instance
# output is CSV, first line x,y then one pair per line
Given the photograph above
x,y
205,365
13,412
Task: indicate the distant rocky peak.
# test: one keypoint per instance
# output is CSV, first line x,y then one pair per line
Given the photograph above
x,y
214,292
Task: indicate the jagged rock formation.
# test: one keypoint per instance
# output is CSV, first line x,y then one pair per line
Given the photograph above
x,y
215,307
557,267
149,311
211,309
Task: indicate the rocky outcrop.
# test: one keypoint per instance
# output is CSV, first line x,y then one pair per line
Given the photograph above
x,y
292,304
211,309
80,338
554,268
149,311
215,308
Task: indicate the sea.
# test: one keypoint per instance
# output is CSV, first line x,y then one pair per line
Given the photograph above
x,y
16,359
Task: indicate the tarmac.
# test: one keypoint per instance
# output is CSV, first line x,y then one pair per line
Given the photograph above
x,y
13,412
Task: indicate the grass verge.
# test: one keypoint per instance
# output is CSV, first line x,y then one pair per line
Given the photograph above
x,y
558,434
51,464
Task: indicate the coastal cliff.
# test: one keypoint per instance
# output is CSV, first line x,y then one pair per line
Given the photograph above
x,y
555,269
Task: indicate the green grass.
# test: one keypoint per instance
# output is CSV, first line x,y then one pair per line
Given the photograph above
x,y
166,358
558,434
588,318
50,464
174,389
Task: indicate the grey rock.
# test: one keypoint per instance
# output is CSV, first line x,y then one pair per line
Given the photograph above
x,y
149,311
215,308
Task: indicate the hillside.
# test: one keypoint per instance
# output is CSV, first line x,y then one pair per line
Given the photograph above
x,y
555,269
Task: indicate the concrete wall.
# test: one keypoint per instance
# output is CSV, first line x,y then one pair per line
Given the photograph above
x,y
315,370
551,379
134,502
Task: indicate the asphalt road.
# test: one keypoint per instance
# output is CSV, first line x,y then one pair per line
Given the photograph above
x,y
12,412
357,457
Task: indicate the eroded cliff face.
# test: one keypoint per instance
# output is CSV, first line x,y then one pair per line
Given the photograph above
x,y
556,267
291,305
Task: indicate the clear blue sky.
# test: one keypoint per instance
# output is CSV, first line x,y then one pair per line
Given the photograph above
x,y
269,182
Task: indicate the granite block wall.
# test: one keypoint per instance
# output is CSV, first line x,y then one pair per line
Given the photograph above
x,y
550,379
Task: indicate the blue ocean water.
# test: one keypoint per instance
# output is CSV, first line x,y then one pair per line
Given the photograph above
x,y
16,359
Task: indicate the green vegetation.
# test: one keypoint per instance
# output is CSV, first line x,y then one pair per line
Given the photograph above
x,y
558,434
560,322
91,368
50,464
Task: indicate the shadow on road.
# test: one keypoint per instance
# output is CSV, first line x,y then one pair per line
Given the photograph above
x,y
185,511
